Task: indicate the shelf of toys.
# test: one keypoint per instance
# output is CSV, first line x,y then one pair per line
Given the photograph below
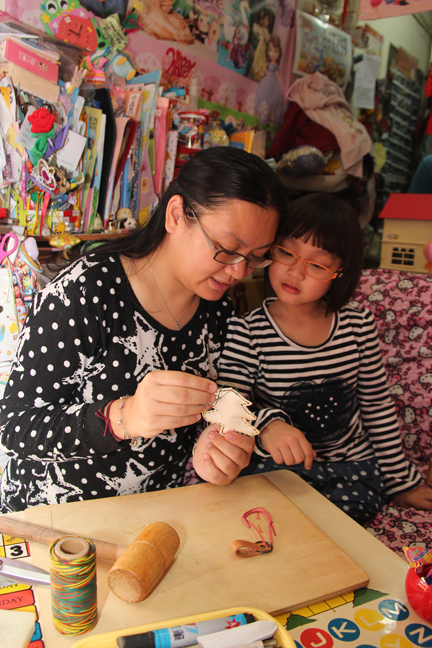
x,y
90,145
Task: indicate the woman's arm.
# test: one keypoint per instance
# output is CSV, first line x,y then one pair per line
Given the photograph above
x,y
42,413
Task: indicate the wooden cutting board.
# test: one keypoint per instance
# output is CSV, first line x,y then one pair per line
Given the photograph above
x,y
305,566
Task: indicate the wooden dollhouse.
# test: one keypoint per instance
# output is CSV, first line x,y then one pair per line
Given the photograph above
x,y
407,229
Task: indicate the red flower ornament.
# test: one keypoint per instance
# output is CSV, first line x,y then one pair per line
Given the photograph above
x,y
42,120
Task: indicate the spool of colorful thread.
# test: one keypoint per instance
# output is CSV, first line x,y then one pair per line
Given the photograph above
x,y
73,584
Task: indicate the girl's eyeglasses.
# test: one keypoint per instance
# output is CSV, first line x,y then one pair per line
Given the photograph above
x,y
228,257
313,270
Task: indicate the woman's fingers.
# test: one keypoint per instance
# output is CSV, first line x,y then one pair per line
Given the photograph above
x,y
165,400
231,451
219,459
177,388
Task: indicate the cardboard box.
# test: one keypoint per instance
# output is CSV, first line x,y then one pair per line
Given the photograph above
x,y
31,82
28,58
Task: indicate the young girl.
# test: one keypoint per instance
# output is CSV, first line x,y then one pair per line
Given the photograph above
x,y
312,366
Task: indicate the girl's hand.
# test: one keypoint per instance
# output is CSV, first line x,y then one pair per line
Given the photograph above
x,y
219,459
418,498
163,400
287,444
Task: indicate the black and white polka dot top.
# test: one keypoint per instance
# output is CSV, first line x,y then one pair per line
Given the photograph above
x,y
88,341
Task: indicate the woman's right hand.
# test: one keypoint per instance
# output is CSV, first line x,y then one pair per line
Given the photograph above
x,y
163,400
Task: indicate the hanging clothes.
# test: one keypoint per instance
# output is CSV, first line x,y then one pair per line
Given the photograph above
x,y
324,103
298,130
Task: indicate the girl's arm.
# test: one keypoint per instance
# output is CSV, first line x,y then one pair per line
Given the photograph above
x,y
379,415
239,366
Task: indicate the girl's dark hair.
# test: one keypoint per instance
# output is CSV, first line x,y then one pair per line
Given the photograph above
x,y
327,222
208,180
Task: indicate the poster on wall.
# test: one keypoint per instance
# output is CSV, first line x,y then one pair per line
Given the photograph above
x,y
376,9
320,47
240,51
365,37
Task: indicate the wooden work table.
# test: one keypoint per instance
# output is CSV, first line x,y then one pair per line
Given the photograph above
x,y
385,569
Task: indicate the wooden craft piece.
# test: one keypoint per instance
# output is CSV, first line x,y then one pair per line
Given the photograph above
x,y
230,411
144,563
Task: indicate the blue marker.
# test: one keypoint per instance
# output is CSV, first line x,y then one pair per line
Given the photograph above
x,y
184,635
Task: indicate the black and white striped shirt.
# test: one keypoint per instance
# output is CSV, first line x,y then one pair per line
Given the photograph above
x,y
335,393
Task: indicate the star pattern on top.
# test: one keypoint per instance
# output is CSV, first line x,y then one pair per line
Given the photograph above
x,y
230,411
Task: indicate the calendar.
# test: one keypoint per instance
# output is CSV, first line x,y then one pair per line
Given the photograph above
x,y
15,596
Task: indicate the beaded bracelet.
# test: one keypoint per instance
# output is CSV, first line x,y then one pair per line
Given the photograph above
x,y
108,426
133,440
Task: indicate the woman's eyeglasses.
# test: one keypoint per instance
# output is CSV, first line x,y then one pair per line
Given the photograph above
x,y
313,270
231,258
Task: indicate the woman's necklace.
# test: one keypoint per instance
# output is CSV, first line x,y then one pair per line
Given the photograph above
x,y
177,321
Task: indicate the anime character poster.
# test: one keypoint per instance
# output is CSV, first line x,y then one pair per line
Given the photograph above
x,y
375,9
319,47
234,43
189,43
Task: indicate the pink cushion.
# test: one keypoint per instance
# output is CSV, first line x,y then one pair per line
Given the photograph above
x,y
402,305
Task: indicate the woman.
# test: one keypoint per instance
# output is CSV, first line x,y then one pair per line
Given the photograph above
x,y
119,356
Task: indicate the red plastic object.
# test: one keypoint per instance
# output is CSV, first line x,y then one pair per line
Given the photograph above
x,y
419,594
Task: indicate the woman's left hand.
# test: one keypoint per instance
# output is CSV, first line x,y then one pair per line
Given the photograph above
x,y
418,498
219,459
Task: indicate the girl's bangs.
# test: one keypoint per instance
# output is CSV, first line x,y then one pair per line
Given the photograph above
x,y
317,232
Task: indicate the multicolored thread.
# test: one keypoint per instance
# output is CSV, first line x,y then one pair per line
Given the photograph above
x,y
73,590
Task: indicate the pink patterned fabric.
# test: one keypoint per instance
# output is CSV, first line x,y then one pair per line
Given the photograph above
x,y
402,305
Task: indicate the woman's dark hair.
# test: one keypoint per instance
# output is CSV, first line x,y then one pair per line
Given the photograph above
x,y
208,180
327,222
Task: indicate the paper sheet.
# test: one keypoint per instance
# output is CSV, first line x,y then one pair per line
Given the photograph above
x,y
364,81
69,156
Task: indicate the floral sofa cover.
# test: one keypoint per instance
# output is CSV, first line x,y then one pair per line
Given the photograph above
x,y
402,305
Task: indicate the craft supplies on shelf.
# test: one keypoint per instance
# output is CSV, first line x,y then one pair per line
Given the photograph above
x,y
191,128
402,110
73,145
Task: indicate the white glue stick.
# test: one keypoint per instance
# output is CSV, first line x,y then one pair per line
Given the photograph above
x,y
239,636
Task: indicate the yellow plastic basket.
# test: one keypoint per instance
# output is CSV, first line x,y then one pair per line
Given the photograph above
x,y
109,639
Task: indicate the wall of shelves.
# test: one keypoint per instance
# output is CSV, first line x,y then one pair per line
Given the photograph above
x,y
402,105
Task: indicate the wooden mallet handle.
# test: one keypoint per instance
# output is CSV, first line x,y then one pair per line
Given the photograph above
x,y
44,535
